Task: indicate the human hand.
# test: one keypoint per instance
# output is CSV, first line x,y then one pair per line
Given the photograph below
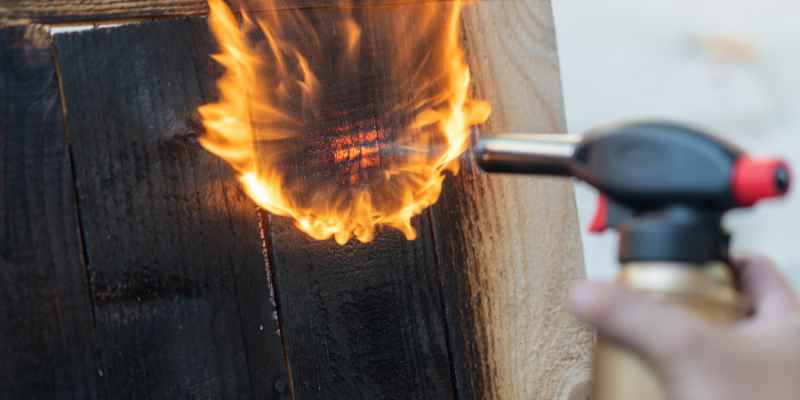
x,y
756,358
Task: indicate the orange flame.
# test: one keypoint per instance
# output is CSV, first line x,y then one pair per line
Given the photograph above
x,y
343,118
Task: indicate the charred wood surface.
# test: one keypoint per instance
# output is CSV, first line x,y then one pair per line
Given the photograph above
x,y
182,302
46,332
362,321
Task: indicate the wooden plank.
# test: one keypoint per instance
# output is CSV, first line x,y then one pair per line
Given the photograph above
x,y
363,321
509,246
182,294
77,11
46,332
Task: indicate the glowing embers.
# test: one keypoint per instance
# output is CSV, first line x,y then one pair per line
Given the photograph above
x,y
342,118
359,151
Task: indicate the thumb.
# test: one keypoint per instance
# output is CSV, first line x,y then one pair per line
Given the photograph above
x,y
655,329
769,289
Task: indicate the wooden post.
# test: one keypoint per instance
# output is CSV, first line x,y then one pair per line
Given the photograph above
x,y
515,245
182,297
46,332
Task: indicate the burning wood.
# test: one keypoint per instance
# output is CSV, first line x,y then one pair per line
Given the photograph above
x,y
302,85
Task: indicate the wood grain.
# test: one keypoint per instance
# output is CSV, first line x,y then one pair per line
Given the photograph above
x,y
182,293
77,11
46,333
182,298
510,246
362,321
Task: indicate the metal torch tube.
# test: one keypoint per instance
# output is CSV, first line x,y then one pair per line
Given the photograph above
x,y
527,153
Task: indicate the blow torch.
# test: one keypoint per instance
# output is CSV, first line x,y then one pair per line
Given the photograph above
x,y
664,189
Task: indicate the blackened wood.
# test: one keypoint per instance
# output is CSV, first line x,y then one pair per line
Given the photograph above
x,y
467,337
363,321
183,304
46,333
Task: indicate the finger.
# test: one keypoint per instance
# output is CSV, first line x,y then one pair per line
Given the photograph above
x,y
766,286
655,329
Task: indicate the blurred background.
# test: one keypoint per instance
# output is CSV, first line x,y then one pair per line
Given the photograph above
x,y
732,66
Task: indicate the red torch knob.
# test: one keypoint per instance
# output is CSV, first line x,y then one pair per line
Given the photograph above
x,y
755,179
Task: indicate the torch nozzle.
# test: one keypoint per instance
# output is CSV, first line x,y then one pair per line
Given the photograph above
x,y
527,153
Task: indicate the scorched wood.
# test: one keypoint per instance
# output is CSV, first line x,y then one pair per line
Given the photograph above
x,y
363,320
182,302
46,332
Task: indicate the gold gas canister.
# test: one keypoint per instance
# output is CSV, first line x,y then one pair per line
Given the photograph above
x,y
708,290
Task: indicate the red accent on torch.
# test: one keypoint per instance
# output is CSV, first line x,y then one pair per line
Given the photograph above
x,y
600,220
755,179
